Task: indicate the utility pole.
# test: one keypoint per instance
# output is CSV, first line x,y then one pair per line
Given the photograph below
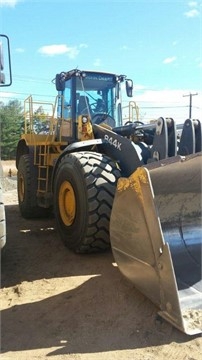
x,y
190,103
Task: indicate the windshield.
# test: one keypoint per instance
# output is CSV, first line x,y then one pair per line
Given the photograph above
x,y
95,93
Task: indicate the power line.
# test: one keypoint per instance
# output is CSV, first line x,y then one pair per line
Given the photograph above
x,y
25,94
190,103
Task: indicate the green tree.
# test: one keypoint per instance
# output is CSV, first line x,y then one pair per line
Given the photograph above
x,y
11,125
40,121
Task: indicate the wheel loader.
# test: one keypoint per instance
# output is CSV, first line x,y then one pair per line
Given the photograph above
x,y
133,187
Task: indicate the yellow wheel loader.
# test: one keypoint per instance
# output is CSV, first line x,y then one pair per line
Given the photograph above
x,y
135,188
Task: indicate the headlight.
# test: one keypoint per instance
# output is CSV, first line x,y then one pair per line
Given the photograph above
x,y
84,119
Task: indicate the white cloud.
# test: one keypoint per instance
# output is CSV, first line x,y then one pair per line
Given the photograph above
x,y
138,87
20,50
10,3
169,60
125,48
192,13
6,95
160,96
192,3
97,62
52,50
153,104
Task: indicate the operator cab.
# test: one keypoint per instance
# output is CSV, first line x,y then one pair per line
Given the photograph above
x,y
96,95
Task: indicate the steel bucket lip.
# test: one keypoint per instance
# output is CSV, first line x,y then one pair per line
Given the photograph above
x,y
171,303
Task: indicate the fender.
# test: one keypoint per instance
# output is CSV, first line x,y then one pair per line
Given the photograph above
x,y
129,156
23,149
86,145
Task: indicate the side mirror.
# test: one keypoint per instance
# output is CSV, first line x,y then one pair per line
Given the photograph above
x,y
5,62
129,87
2,79
59,82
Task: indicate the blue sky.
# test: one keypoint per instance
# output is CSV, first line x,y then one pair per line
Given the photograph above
x,y
156,43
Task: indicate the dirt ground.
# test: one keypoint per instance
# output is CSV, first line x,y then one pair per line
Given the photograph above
x,y
58,304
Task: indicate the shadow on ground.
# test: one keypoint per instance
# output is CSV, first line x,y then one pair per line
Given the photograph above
x,y
103,313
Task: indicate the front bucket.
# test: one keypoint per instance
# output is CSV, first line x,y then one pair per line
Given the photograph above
x,y
156,237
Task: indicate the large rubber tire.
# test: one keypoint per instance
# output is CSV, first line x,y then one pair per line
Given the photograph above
x,y
27,189
84,189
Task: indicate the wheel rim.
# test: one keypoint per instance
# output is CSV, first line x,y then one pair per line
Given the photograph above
x,y
67,203
21,188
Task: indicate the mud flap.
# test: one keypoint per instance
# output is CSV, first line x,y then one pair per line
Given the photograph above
x,y
156,237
